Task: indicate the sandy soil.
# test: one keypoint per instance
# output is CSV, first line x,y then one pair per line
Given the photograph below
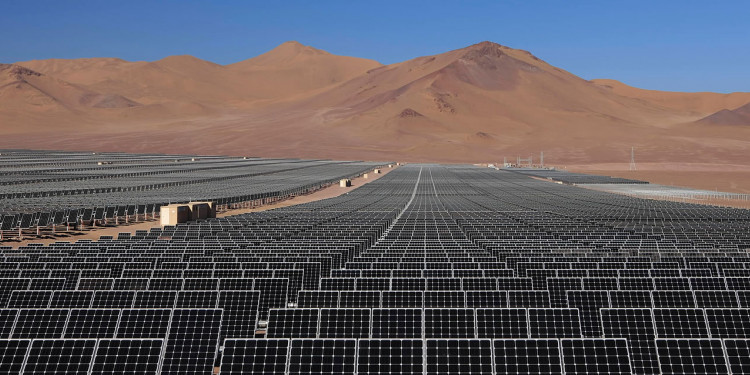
x,y
727,177
732,178
94,233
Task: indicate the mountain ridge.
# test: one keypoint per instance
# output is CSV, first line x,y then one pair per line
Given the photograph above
x,y
480,102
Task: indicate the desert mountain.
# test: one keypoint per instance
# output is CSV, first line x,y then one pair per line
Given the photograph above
x,y
287,70
739,116
478,103
21,87
697,102
292,68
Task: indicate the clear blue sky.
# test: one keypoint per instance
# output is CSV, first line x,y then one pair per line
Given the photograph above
x,y
659,44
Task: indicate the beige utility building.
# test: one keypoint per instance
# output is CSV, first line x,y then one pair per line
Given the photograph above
x,y
174,214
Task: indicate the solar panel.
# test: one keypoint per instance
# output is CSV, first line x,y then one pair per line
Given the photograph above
x,y
588,303
680,323
7,286
514,283
59,356
738,351
29,299
558,288
322,356
630,299
344,323
8,222
91,323
528,298
42,323
127,356
293,323
637,326
527,356
716,299
390,356
235,283
595,356
94,284
671,283
71,299
144,323
443,284
444,299
163,284
459,356
201,284
359,299
691,356
673,299
240,312
318,298
338,283
728,323
131,283
743,296
113,299
449,323
486,298
635,283
192,342
600,283
372,283
273,294
502,323
12,355
402,299
707,283
254,356
196,299
7,320
408,283
155,299
554,323
396,323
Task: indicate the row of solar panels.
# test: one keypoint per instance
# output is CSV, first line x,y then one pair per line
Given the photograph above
x,y
642,345
376,356
189,347
69,184
481,356
95,279
506,323
73,216
154,322
279,292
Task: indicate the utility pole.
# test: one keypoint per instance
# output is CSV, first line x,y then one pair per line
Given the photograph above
x,y
541,159
632,159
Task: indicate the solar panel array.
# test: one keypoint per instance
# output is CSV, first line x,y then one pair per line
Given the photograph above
x,y
45,188
429,269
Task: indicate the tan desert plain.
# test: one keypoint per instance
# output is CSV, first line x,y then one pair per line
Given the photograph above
x,y
476,104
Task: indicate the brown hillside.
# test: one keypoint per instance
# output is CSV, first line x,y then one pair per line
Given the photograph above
x,y
698,102
478,103
736,117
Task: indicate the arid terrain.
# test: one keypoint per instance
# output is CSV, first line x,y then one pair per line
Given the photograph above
x,y
476,104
